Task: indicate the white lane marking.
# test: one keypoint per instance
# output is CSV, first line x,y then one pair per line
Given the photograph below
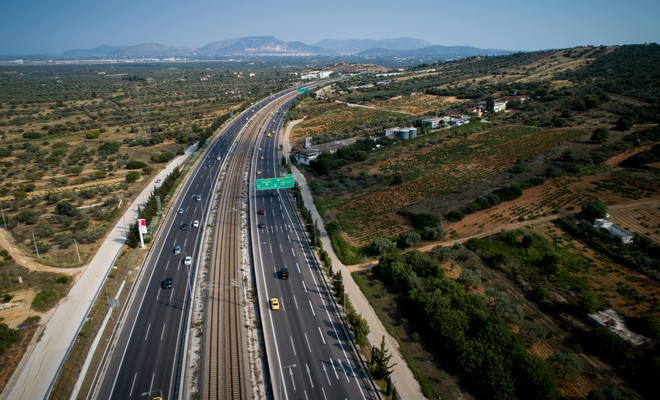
x,y
325,371
304,286
293,383
288,237
321,333
147,334
307,340
293,252
281,249
296,301
271,248
309,374
151,384
334,368
162,333
171,295
312,308
298,266
167,265
324,396
158,294
132,385
293,346
185,241
341,365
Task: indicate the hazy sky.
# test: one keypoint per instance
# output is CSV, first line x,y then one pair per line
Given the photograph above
x,y
53,26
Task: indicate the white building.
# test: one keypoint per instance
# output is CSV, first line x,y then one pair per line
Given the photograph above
x,y
615,232
316,75
305,156
613,321
499,106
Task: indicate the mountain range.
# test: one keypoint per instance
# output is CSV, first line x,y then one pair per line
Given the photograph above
x,y
263,46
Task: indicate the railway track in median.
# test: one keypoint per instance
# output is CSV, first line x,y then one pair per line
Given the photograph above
x,y
225,363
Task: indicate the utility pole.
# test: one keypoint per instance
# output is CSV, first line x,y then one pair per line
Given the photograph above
x,y
4,221
35,245
77,251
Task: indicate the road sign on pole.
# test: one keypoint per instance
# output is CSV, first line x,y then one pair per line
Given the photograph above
x,y
303,90
285,182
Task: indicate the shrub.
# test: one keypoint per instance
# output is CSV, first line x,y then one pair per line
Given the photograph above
x,y
8,336
454,216
135,164
132,176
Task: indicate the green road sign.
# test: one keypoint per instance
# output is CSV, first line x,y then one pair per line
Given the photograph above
x,y
303,90
285,182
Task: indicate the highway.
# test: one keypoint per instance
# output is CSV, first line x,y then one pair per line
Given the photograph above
x,y
309,354
146,355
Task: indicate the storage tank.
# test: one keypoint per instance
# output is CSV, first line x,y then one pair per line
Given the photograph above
x,y
412,133
404,134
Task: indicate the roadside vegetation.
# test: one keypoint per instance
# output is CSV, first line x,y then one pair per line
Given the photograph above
x,y
78,142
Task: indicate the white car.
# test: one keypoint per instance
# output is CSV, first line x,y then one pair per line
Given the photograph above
x,y
187,261
195,224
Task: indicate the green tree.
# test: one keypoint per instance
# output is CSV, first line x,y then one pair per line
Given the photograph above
x,y
382,245
470,278
382,368
592,209
67,209
600,135
359,326
409,239
132,176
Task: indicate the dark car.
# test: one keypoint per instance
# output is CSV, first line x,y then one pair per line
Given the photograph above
x,y
262,225
184,226
284,273
167,283
261,212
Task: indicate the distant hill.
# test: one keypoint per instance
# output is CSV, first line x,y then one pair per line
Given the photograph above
x,y
144,50
439,53
258,45
387,50
352,46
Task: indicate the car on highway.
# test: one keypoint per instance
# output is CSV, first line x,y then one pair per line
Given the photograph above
x,y
166,283
274,303
184,226
261,158
259,148
261,225
177,249
197,197
261,212
258,172
195,224
218,158
181,210
187,261
273,193
284,273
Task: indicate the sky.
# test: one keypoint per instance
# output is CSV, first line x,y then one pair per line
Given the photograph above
x,y
29,27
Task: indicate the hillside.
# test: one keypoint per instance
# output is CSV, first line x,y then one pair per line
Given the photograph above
x,y
508,185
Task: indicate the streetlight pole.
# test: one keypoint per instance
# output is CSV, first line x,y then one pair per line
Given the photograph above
x,y
290,367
